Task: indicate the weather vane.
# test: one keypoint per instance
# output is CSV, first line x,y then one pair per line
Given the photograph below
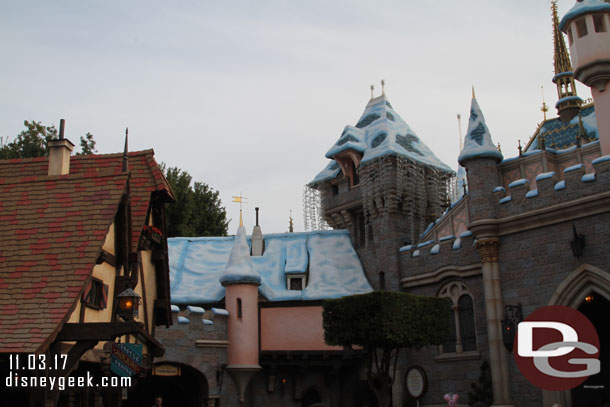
x,y
242,200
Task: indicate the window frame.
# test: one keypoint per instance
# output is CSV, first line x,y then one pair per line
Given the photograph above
x,y
455,290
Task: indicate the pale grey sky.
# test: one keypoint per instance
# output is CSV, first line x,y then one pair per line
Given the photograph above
x,y
248,96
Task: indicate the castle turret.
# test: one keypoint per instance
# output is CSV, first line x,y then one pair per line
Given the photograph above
x,y
587,25
241,299
569,103
480,157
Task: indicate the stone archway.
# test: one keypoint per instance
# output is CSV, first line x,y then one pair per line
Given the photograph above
x,y
584,280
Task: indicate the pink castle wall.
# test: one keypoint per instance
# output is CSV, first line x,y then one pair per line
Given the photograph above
x,y
242,332
293,328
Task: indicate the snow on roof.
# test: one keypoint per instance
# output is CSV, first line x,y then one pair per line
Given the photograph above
x,y
239,268
478,143
380,131
333,265
583,7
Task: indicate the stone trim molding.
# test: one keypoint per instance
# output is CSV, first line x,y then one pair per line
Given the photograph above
x,y
440,274
211,343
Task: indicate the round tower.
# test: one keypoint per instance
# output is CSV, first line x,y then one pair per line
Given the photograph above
x,y
480,157
587,25
241,300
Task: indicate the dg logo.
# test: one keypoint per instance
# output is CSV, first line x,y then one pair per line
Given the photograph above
x,y
557,348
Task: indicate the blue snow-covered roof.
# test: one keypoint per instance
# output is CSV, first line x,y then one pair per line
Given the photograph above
x,y
584,7
379,132
478,142
559,135
197,263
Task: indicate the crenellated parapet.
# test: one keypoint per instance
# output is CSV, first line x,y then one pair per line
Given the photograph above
x,y
427,259
552,190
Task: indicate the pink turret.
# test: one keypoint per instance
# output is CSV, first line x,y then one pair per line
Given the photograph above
x,y
241,300
587,25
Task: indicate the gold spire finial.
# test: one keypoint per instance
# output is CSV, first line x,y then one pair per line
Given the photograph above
x,y
562,58
372,89
382,87
544,107
473,96
242,200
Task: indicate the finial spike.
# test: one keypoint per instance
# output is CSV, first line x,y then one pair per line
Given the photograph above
x,y
459,119
382,87
372,89
242,200
544,107
126,151
473,96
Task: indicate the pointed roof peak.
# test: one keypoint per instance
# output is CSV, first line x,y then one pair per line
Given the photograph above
x,y
478,142
562,58
240,269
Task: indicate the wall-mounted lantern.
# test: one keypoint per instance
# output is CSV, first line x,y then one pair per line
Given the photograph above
x,y
512,316
577,243
129,302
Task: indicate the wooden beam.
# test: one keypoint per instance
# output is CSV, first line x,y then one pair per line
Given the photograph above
x,y
101,331
106,257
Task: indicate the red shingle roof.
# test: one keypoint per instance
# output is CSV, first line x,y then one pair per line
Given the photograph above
x,y
51,232
146,177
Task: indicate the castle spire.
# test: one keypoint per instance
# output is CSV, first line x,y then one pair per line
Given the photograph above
x,y
569,102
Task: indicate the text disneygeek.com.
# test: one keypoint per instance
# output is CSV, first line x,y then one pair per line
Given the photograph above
x,y
15,380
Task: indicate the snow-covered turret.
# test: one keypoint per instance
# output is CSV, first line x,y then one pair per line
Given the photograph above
x,y
478,143
241,299
480,157
587,25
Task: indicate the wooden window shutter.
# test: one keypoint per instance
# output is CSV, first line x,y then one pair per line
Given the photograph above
x,y
87,292
104,299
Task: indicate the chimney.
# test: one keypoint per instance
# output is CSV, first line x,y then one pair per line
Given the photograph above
x,y
257,239
59,153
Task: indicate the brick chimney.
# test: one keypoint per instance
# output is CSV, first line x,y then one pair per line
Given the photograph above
x,y
59,153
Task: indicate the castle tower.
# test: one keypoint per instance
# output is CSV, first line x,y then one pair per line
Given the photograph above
x,y
385,186
480,158
569,103
587,25
241,300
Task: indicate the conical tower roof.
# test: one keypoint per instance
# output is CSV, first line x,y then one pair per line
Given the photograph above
x,y
239,269
478,143
380,132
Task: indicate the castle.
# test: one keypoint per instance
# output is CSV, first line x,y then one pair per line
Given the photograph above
x,y
527,231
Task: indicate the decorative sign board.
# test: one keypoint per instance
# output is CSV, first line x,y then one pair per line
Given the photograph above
x,y
416,382
126,359
166,370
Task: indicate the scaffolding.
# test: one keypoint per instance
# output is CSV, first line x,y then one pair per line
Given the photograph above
x,y
312,210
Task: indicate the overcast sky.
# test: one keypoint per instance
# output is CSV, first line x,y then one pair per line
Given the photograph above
x,y
247,96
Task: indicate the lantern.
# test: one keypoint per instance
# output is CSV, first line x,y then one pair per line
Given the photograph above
x,y
129,302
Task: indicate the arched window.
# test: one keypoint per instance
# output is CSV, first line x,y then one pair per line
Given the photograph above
x,y
463,336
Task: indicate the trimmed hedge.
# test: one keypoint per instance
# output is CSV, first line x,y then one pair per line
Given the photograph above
x,y
384,319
